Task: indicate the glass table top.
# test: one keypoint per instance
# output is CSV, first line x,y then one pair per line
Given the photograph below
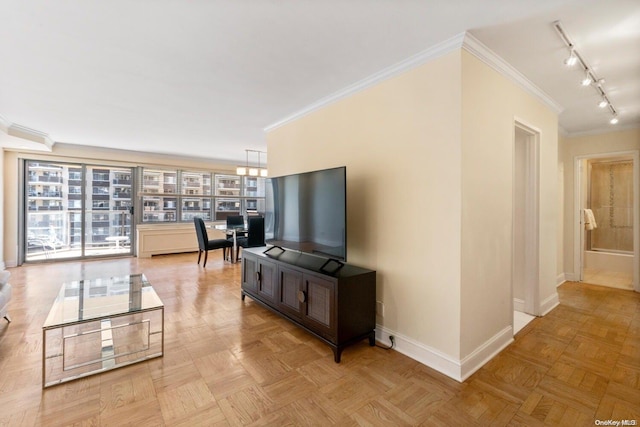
x,y
84,300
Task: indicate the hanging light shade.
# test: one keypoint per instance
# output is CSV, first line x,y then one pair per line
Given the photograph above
x,y
252,170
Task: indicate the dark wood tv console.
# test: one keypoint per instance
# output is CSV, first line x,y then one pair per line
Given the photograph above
x,y
338,307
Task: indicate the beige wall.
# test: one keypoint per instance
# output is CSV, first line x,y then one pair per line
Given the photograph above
x,y
490,105
76,153
570,148
429,158
400,142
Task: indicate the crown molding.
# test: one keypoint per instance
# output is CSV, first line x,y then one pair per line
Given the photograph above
x,y
463,40
24,137
490,58
4,124
603,130
418,59
32,135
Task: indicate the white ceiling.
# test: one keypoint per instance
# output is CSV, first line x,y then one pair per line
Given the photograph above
x,y
204,78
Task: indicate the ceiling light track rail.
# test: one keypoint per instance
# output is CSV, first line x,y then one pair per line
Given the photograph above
x,y
590,77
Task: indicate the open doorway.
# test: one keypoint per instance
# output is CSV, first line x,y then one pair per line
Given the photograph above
x,y
525,265
606,245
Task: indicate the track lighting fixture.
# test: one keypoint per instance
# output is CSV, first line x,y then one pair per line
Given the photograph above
x,y
571,60
590,78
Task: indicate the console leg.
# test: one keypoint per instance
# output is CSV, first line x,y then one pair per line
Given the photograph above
x,y
372,338
336,355
7,318
242,294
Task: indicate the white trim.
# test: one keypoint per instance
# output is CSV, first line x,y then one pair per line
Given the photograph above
x,y
561,278
410,63
486,55
463,40
601,130
532,213
572,277
549,304
4,124
2,265
518,304
422,353
33,135
443,363
14,130
577,220
486,352
10,264
578,249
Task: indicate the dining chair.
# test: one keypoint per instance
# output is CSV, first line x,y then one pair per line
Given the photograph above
x,y
255,235
235,221
205,245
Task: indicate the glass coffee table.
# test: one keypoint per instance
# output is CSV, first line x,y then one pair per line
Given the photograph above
x,y
101,324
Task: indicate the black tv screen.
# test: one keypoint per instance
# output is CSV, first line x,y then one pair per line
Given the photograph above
x,y
307,212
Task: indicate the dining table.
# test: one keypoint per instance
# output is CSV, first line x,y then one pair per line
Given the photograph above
x,y
233,231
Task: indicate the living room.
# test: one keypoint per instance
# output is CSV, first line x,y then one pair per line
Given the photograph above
x,y
431,142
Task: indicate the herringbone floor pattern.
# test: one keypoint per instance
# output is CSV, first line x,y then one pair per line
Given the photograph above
x,y
229,362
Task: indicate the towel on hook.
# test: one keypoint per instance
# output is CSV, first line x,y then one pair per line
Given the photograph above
x,y
589,220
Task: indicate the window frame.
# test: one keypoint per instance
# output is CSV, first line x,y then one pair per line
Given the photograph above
x,y
208,194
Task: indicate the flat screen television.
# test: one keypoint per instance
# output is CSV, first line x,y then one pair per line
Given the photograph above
x,y
307,212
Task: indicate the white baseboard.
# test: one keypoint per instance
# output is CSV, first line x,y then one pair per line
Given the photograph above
x,y
549,304
458,370
562,277
518,304
572,277
422,353
2,265
486,352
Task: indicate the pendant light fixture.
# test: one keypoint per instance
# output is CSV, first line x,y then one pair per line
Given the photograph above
x,y
252,170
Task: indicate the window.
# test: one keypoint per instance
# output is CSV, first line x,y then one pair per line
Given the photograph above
x,y
177,195
71,210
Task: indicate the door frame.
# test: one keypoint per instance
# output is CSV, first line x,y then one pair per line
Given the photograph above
x,y
24,210
532,217
578,230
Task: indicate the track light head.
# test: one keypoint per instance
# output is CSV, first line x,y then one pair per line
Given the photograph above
x,y
571,60
590,76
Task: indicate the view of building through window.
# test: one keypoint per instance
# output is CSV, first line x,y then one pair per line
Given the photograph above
x,y
79,210
173,195
60,195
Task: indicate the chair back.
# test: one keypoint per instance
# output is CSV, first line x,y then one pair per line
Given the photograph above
x,y
255,231
235,220
201,232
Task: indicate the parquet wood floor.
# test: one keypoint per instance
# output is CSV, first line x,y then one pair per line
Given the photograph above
x,y
229,362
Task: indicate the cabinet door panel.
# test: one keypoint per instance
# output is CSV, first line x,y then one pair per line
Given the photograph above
x,y
249,269
267,282
321,306
290,292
